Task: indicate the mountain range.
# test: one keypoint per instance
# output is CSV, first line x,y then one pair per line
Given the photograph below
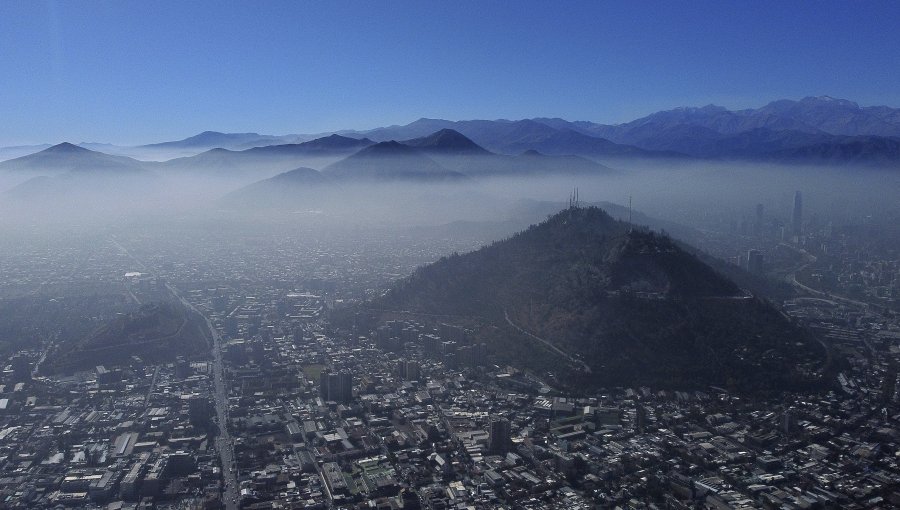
x,y
811,131
596,302
443,156
231,141
266,158
815,130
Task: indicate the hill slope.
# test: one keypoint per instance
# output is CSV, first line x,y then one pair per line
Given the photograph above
x,y
636,308
447,141
514,137
215,139
300,186
67,157
454,151
269,158
389,161
156,333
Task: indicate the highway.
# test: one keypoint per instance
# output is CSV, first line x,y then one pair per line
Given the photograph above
x,y
150,390
791,278
224,442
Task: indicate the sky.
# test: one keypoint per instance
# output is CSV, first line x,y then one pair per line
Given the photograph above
x,y
140,72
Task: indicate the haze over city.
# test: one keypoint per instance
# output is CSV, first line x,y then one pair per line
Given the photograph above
x,y
403,255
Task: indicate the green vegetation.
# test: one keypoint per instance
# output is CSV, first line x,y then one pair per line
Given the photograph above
x,y
312,371
156,333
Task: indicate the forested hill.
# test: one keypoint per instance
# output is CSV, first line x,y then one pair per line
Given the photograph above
x,y
632,304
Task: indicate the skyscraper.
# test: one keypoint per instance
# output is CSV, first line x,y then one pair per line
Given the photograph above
x,y
797,217
409,370
499,440
200,411
323,383
754,261
336,386
345,388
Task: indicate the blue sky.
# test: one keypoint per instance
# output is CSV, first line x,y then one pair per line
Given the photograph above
x,y
139,72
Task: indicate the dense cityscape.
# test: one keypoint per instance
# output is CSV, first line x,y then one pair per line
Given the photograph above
x,y
473,255
287,408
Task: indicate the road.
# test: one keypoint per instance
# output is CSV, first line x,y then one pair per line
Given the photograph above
x,y
150,390
35,372
131,294
549,345
224,441
791,278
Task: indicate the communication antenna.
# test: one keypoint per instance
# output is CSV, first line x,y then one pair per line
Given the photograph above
x,y
630,224
573,199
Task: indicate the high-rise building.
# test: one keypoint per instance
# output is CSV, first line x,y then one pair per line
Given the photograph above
x,y
754,261
409,370
200,411
797,217
323,383
336,386
789,421
499,439
640,419
345,387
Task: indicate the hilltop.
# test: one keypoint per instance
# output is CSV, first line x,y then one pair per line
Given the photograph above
x,y
66,157
300,186
388,161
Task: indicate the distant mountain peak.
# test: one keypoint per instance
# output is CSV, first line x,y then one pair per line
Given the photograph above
x,y
447,140
65,147
389,160
301,173
387,147
220,133
447,132
832,101
211,139
336,141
